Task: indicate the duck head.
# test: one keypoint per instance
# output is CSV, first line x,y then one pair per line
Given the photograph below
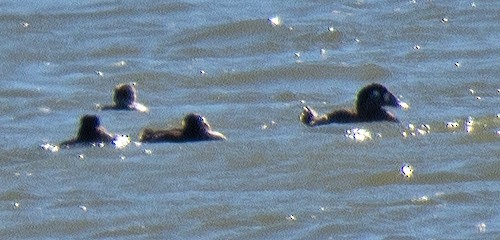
x,y
125,95
195,124
373,97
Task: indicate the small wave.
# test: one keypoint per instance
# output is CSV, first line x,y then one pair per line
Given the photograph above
x,y
17,196
233,30
368,72
251,37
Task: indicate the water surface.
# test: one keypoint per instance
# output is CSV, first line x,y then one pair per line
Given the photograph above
x,y
274,178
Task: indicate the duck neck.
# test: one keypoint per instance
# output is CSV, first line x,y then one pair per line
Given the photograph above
x,y
88,134
368,110
194,132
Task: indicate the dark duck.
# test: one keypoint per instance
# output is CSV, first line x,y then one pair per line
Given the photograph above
x,y
194,128
124,98
368,108
90,131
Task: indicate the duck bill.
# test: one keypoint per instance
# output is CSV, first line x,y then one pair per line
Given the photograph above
x,y
395,102
403,105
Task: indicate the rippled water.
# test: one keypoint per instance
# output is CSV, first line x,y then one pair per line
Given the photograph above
x,y
249,67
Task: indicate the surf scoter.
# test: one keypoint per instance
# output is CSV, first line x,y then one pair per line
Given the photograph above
x,y
124,98
369,103
90,131
194,128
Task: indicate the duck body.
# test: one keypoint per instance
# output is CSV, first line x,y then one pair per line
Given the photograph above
x,y
90,131
125,98
195,128
368,108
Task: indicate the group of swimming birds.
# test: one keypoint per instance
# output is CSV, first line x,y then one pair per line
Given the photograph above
x,y
368,107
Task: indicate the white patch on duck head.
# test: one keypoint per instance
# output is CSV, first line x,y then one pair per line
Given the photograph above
x,y
203,123
376,94
387,97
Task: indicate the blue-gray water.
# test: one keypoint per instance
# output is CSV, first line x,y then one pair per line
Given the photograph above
x,y
274,178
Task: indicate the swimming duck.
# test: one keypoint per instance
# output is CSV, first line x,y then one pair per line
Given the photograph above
x,y
194,128
369,107
90,131
124,98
